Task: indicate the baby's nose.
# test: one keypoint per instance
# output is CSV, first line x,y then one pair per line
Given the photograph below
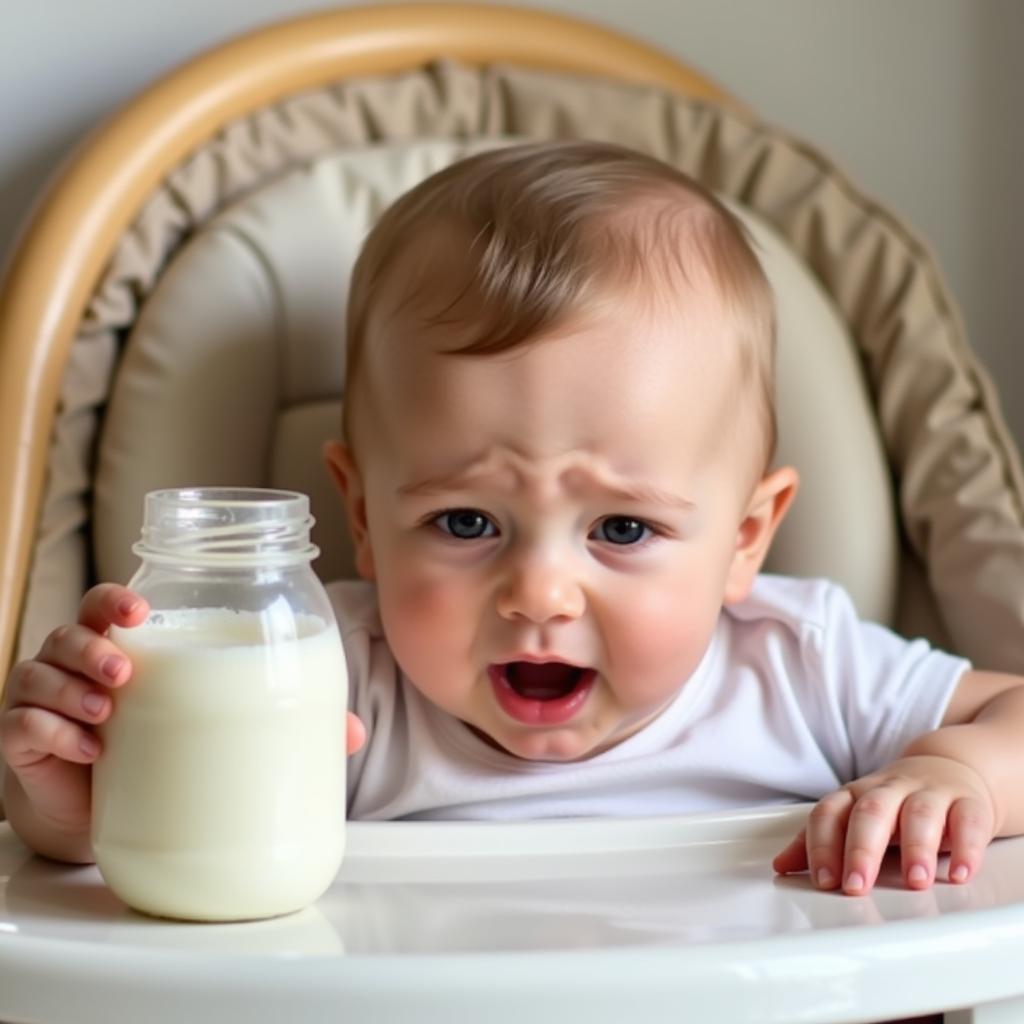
x,y
541,590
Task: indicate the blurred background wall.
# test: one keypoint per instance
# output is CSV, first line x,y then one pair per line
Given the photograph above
x,y
918,100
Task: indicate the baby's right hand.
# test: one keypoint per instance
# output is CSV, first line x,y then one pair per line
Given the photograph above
x,y
53,702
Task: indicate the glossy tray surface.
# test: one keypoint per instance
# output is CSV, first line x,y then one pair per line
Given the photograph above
x,y
446,921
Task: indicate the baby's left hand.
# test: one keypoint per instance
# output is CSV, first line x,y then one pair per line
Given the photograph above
x,y
923,803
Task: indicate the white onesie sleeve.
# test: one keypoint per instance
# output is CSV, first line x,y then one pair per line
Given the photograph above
x,y
873,690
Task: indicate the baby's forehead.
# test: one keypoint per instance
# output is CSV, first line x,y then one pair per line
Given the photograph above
x,y
560,408
417,375
420,364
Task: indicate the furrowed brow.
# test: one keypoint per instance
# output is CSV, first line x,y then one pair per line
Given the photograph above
x,y
437,484
635,492
645,494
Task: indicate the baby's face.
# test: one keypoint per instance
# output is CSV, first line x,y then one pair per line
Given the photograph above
x,y
554,531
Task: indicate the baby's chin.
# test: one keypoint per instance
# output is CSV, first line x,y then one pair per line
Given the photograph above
x,y
553,745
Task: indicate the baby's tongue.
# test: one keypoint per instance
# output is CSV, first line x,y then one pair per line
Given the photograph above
x,y
542,682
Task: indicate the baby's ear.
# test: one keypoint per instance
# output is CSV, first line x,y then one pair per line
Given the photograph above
x,y
342,466
765,511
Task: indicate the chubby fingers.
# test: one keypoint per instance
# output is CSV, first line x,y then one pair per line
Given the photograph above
x,y
825,838
794,857
818,847
52,711
927,817
969,828
922,823
845,839
35,684
29,735
847,835
110,604
871,824
83,648
82,652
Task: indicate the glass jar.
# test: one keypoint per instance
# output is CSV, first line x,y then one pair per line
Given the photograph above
x,y
220,791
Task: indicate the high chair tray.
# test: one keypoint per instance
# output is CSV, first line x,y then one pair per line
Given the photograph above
x,y
653,919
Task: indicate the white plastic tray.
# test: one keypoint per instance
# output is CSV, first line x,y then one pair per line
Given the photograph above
x,y
655,919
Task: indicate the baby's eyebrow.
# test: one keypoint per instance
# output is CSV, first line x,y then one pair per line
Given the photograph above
x,y
438,484
635,492
646,494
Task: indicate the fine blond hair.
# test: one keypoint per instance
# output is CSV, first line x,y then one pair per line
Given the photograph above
x,y
522,237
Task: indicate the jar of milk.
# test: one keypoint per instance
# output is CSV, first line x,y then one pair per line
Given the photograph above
x,y
220,792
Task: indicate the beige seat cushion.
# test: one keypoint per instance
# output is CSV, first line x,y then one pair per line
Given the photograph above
x,y
235,367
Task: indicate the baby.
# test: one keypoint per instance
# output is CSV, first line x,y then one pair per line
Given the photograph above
x,y
557,467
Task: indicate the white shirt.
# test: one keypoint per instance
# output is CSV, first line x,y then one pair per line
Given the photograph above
x,y
793,697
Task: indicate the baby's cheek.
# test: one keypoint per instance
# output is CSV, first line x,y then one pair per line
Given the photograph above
x,y
660,642
425,622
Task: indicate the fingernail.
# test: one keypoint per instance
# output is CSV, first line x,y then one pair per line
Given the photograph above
x,y
959,873
917,874
825,878
112,665
854,880
89,745
127,605
94,703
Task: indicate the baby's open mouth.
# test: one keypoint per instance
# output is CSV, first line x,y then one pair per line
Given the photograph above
x,y
542,682
548,693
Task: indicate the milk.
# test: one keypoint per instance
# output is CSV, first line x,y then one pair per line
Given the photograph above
x,y
220,792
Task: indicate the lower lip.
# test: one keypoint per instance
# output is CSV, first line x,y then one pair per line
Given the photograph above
x,y
557,711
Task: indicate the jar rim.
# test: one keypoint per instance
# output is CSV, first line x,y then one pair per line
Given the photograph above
x,y
226,526
243,496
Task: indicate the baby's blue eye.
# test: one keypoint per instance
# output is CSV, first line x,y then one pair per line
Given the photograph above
x,y
621,530
466,524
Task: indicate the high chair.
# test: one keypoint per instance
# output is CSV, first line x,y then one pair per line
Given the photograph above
x,y
173,316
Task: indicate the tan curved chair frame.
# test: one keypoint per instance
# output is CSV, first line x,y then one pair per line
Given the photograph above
x,y
66,245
